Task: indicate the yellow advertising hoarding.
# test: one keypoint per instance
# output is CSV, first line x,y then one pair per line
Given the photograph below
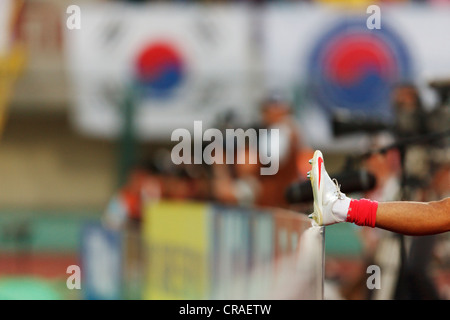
x,y
177,241
198,251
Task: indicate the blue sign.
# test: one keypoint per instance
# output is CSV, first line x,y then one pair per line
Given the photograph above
x,y
352,67
101,255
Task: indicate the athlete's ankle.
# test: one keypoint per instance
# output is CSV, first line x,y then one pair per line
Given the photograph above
x,y
340,208
360,212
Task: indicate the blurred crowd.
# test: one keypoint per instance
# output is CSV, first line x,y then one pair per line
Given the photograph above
x,y
227,184
410,161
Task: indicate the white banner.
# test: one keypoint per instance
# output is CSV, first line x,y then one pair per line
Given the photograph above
x,y
184,63
333,61
192,62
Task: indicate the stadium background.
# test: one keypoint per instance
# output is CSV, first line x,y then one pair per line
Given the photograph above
x,y
63,159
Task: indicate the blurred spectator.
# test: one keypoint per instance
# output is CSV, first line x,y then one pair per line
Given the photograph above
x,y
416,253
127,203
386,168
276,114
382,247
410,121
235,184
438,121
153,181
409,111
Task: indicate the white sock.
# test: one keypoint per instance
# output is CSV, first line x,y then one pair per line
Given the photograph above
x,y
340,208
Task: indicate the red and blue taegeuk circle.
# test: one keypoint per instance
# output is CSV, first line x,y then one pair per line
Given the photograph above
x,y
355,68
160,69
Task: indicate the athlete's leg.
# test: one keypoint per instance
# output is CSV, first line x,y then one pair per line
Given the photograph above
x,y
414,218
405,217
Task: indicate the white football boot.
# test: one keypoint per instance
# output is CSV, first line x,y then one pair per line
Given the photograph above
x,y
326,192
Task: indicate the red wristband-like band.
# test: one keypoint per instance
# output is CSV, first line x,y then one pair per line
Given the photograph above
x,y
362,212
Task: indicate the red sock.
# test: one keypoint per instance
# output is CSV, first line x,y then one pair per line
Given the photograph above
x,y
362,212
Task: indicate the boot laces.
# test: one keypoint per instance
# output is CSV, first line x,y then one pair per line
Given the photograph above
x,y
338,192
